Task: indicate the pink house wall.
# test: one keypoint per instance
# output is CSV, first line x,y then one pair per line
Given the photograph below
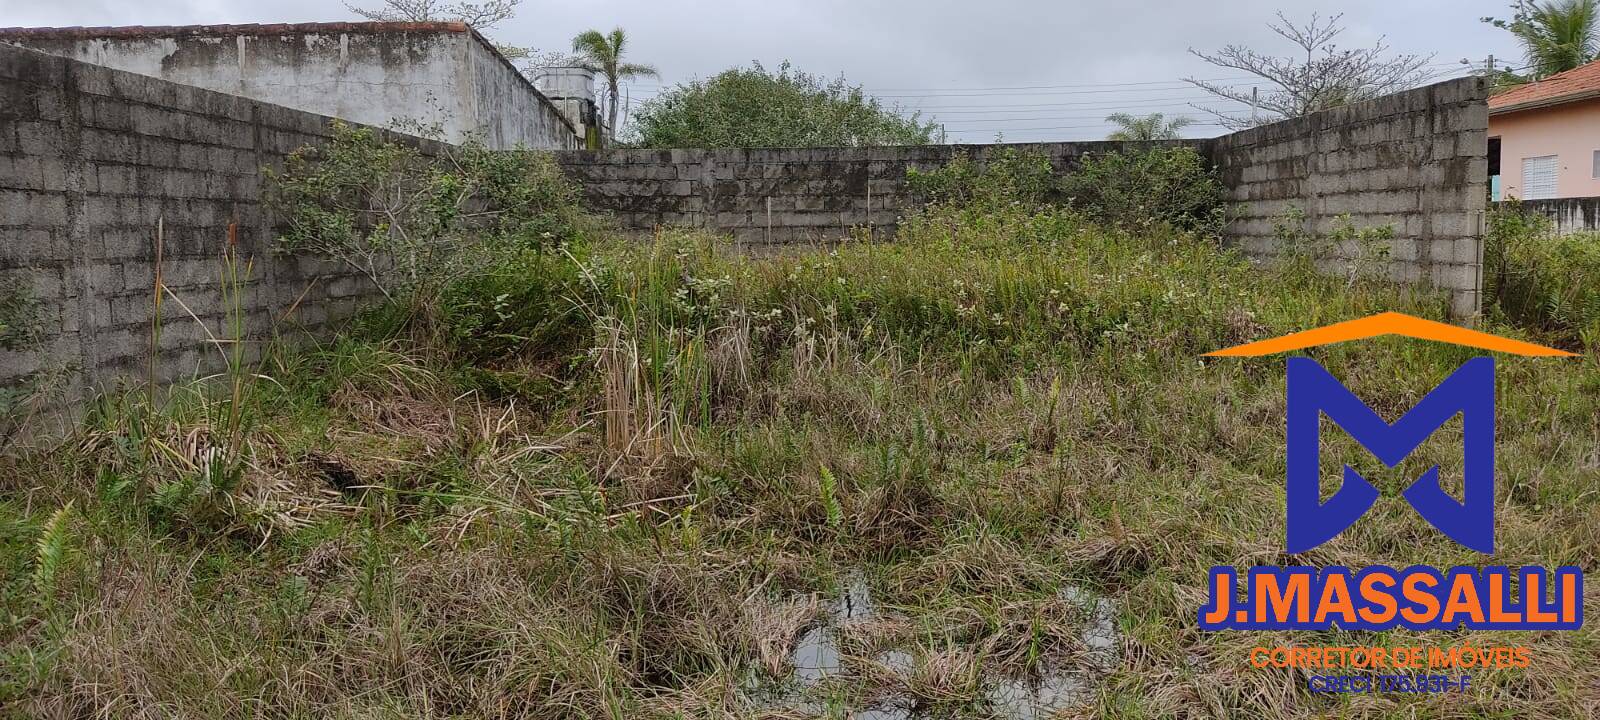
x,y
1571,132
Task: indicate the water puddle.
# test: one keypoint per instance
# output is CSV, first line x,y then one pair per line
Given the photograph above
x,y
1024,700
1045,696
817,657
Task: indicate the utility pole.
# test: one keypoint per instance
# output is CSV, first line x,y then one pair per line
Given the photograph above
x,y
1488,65
1255,106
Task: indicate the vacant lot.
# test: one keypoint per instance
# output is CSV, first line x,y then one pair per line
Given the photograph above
x,y
979,472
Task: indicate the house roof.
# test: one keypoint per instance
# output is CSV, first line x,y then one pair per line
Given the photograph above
x,y
1388,323
1580,83
148,31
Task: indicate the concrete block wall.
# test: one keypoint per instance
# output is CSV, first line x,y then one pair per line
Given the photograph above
x,y
372,73
1416,161
779,196
91,160
1569,215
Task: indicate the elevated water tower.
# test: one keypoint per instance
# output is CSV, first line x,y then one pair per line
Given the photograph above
x,y
572,90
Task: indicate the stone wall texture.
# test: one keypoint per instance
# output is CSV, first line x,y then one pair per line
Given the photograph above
x,y
1416,161
1570,215
91,160
778,196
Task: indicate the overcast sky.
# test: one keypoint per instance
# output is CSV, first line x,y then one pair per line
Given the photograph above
x,y
953,58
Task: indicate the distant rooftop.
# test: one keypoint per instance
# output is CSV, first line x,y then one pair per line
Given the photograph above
x,y
140,31
1580,83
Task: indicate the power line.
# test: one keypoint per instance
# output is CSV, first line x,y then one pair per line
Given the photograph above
x,y
1079,87
1177,82
1195,118
1176,112
1061,127
1108,105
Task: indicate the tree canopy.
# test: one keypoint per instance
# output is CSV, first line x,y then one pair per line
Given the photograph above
x,y
1154,126
1556,36
755,107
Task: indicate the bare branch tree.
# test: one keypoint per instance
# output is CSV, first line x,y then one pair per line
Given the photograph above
x,y
480,16
1325,76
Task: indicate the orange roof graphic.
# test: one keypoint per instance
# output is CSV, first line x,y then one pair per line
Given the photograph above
x,y
1389,323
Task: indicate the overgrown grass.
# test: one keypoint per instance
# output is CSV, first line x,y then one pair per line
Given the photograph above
x,y
1540,279
617,480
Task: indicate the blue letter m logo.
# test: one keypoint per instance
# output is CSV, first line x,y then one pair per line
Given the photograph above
x,y
1313,392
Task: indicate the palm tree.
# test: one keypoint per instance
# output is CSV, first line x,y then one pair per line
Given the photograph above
x,y
1556,36
603,54
1154,126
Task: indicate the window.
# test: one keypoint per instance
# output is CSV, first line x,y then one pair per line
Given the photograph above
x,y
1539,178
1597,164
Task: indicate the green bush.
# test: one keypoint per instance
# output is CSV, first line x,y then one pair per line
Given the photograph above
x,y
1135,190
408,221
1541,280
1009,177
526,304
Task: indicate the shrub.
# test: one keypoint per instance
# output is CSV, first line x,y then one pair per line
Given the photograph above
x,y
1009,177
406,220
1538,279
522,303
1142,189
1136,190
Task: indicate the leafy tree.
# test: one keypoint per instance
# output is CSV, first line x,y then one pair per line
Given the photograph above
x,y
480,16
1556,36
1323,76
754,107
603,54
1154,126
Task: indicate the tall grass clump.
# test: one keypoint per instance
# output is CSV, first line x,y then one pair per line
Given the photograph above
x,y
662,478
1540,279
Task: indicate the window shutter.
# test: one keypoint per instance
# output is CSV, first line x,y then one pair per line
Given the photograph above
x,y
1539,178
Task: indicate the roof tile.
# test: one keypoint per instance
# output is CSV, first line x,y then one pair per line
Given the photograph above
x,y
1577,83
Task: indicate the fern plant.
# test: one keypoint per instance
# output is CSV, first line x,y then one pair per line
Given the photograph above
x,y
52,552
830,497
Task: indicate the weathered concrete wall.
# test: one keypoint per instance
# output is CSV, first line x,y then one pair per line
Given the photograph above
x,y
368,73
90,160
1570,215
507,108
778,195
1416,160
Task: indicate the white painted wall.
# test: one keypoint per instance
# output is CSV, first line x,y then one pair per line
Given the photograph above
x,y
448,79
